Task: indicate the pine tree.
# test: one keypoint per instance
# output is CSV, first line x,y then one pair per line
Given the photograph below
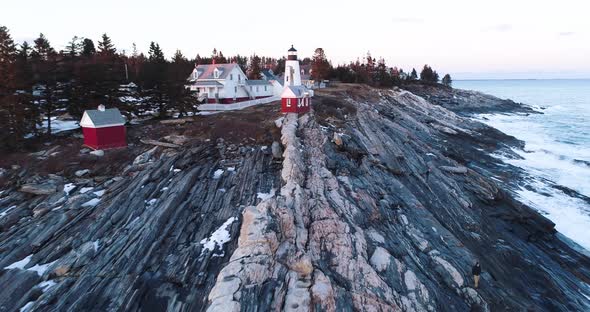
x,y
428,75
320,66
7,89
73,48
255,67
181,98
154,77
155,54
414,74
88,47
447,81
106,46
44,61
42,49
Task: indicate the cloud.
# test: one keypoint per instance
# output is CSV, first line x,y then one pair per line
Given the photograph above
x,y
407,20
566,33
499,28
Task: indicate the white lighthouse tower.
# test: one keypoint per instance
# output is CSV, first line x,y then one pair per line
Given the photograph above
x,y
292,70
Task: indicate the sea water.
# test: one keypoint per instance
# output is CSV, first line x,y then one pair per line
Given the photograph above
x,y
557,146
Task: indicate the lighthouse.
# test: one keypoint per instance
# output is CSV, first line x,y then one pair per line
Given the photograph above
x,y
292,70
295,98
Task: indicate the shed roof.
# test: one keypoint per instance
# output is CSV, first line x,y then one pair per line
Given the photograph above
x,y
99,119
294,91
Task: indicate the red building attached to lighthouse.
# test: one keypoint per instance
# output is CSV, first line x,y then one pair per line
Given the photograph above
x,y
103,128
295,98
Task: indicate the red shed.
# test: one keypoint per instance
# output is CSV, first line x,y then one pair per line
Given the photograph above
x,y
295,99
103,128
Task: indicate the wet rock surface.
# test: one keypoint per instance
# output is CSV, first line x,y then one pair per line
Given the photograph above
x,y
381,201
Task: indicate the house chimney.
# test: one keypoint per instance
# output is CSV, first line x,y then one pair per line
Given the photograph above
x,y
101,108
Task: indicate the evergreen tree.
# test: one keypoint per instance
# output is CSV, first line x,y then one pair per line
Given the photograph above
x,y
320,66
155,54
414,74
242,61
181,98
154,77
106,46
255,67
7,89
428,75
447,81
280,66
42,49
44,61
74,47
88,47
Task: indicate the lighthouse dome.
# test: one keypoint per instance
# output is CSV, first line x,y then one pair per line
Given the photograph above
x,y
292,49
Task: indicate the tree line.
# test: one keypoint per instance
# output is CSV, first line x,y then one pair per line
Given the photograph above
x,y
37,82
376,72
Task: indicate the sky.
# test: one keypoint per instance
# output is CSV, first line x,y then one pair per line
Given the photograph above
x,y
470,39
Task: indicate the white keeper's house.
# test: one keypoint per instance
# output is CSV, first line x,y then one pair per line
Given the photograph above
x,y
227,83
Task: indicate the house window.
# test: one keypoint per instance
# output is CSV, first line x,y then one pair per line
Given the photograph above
x,y
231,76
256,88
235,89
264,88
287,78
250,88
239,77
288,102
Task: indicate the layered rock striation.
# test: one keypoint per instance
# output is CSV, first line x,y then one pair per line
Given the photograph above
x,y
381,201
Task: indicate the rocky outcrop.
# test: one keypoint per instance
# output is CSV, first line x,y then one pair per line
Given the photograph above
x,y
380,201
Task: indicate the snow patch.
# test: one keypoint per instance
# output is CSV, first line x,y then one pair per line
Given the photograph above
x,y
91,203
20,264
5,212
151,202
217,174
46,285
27,307
265,196
69,187
41,269
219,237
85,190
100,193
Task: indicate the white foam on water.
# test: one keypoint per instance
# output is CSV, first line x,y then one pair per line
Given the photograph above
x,y
546,158
570,215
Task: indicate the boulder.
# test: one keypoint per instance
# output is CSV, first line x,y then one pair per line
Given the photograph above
x,y
82,172
277,150
337,139
98,153
145,157
176,139
456,170
45,188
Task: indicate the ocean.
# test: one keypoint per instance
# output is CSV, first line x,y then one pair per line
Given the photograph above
x,y
557,146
